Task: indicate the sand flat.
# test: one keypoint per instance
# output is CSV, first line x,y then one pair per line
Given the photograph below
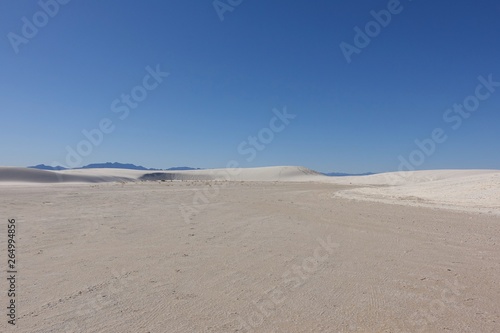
x,y
256,256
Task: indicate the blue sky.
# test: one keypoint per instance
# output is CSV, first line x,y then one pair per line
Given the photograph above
x,y
226,77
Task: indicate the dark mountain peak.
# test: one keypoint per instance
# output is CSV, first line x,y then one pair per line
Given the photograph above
x,y
46,167
115,165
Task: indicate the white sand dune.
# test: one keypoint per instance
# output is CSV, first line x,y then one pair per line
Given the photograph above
x,y
281,173
14,175
410,177
467,190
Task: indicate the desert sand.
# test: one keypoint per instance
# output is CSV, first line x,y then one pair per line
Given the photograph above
x,y
277,249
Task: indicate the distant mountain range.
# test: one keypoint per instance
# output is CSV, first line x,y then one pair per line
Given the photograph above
x,y
46,167
109,165
341,174
115,165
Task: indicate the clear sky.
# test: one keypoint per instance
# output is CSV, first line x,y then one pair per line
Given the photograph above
x,y
69,67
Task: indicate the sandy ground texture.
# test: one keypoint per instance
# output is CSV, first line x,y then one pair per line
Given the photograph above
x,y
290,252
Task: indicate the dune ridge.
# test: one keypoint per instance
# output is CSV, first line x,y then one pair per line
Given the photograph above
x,y
13,175
464,190
279,173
